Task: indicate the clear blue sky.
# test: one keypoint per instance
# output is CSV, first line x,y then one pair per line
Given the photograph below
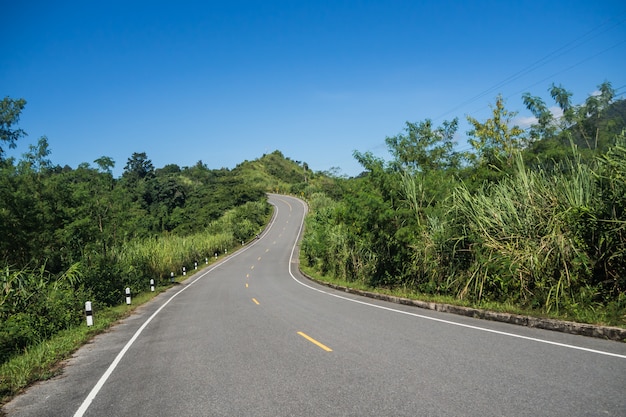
x,y
228,81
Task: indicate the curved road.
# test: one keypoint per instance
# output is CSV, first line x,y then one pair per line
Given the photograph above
x,y
250,337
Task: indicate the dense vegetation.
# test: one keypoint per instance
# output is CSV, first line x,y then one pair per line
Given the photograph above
x,y
530,218
534,219
72,235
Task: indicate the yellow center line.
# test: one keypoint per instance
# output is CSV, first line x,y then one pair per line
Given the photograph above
x,y
246,285
252,267
267,250
315,342
259,258
247,275
255,301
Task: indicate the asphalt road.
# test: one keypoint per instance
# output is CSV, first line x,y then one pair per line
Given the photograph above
x,y
251,337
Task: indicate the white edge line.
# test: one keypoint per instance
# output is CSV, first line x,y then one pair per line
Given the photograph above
x,y
600,352
103,379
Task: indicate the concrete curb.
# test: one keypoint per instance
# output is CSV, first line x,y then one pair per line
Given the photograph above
x,y
604,332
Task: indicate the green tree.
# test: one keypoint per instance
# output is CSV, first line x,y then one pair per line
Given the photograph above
x,y
10,110
589,122
37,156
496,140
592,126
138,167
422,148
105,163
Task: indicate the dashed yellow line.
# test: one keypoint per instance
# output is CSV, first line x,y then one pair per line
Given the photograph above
x,y
315,342
246,285
255,301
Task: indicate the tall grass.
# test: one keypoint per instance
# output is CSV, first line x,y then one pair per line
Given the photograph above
x,y
34,305
520,235
159,257
39,361
549,240
136,262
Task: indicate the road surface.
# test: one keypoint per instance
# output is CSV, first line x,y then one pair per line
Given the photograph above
x,y
250,336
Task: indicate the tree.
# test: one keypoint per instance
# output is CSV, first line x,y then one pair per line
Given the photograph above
x,y
105,163
495,140
591,126
37,156
426,158
10,111
168,169
546,126
422,148
588,117
138,167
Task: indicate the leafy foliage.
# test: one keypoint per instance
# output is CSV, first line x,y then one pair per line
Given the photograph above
x,y
10,110
71,235
534,219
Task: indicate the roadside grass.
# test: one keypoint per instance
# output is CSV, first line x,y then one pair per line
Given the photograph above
x,y
595,316
44,360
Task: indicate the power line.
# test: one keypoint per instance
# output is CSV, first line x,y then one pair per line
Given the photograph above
x,y
576,43
557,73
539,63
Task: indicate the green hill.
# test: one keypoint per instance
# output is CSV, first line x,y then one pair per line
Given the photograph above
x,y
273,173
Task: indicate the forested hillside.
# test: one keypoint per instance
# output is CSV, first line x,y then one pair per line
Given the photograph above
x,y
533,219
71,235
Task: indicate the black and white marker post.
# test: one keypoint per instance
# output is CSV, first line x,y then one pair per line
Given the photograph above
x,y
184,271
172,277
89,313
127,295
152,285
195,265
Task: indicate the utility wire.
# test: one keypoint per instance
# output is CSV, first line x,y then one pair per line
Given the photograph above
x,y
557,73
576,43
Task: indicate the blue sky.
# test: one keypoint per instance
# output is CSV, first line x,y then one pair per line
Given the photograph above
x,y
228,81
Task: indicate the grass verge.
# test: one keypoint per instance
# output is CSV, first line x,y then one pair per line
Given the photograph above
x,y
589,316
43,361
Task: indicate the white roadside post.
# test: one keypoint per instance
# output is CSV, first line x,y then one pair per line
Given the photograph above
x,y
152,285
195,265
172,277
127,295
89,313
215,255
184,271
206,261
